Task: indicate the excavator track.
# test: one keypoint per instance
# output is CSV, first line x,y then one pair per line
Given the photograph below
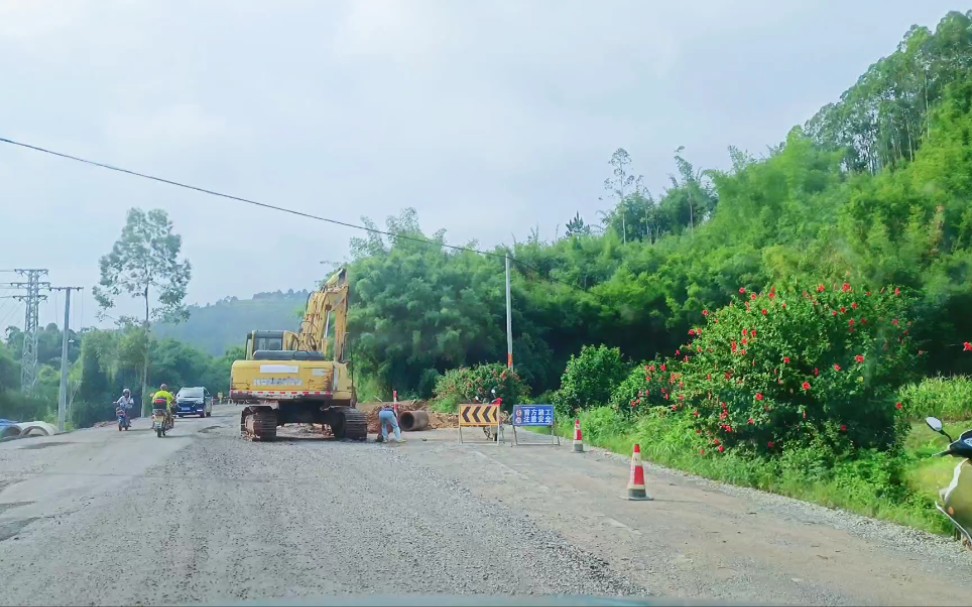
x,y
349,424
259,425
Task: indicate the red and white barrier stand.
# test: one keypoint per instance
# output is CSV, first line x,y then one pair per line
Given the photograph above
x,y
578,439
636,482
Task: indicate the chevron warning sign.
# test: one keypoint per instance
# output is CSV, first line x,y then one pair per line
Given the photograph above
x,y
478,415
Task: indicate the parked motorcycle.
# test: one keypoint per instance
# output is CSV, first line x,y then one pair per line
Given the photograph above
x,y
123,422
498,402
955,500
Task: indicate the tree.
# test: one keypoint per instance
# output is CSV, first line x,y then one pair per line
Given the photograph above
x,y
144,264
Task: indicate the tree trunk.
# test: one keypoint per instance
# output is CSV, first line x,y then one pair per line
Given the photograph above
x,y
145,358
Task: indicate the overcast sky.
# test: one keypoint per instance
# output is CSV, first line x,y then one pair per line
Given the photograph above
x,y
490,118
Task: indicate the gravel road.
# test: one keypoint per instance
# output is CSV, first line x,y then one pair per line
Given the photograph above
x,y
102,517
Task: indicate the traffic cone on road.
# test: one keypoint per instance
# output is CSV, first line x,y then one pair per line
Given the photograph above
x,y
578,440
636,482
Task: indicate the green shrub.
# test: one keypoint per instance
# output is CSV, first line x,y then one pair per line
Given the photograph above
x,y
818,368
590,379
17,407
948,398
86,414
467,384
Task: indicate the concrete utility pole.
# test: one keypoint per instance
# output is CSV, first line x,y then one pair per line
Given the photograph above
x,y
509,318
62,394
28,359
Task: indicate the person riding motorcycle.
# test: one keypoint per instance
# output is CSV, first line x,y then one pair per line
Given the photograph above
x,y
164,394
126,402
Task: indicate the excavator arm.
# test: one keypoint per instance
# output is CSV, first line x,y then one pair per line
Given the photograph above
x,y
326,308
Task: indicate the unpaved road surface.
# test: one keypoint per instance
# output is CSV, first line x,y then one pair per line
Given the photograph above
x,y
100,517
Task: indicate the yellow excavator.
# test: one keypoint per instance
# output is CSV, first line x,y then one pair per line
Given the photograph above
x,y
292,378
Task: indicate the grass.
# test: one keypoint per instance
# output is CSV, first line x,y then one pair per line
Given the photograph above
x,y
901,489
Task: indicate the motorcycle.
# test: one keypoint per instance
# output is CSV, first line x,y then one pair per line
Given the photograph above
x,y
123,422
162,422
498,402
955,500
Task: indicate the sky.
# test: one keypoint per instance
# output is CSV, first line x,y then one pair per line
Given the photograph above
x,y
490,118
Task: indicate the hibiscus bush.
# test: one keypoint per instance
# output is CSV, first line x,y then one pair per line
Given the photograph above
x,y
650,384
817,368
465,384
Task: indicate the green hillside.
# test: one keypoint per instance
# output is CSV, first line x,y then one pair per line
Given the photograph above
x,y
215,327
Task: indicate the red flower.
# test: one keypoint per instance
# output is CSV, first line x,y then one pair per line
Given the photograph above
x,y
967,347
692,332
843,310
677,353
806,385
895,322
753,297
734,346
859,358
846,288
843,428
897,292
854,305
652,368
816,372
834,312
721,449
759,396
753,333
751,422
771,444
821,289
745,333
765,312
705,312
786,360
772,295
850,323
664,368
836,367
898,406
701,451
742,290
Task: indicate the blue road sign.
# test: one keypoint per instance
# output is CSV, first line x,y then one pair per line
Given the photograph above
x,y
533,415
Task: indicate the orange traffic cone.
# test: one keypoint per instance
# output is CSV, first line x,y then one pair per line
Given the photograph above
x,y
578,440
636,482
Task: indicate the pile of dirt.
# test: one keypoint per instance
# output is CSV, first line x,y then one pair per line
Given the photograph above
x,y
436,420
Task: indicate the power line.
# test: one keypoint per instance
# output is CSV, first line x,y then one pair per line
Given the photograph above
x,y
286,210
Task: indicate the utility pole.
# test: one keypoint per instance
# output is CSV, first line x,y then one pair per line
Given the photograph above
x,y
509,318
62,394
28,359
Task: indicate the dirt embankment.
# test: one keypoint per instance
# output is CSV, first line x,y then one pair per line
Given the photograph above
x,y
436,420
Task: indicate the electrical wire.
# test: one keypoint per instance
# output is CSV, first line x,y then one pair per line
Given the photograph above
x,y
281,209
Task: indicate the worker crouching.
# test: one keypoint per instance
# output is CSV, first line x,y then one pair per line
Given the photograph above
x,y
386,419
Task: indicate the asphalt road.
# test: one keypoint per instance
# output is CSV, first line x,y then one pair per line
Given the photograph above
x,y
99,517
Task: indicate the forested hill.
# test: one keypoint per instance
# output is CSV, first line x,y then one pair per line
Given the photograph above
x,y
215,327
874,189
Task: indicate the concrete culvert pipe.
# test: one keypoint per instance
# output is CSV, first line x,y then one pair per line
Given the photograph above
x,y
411,421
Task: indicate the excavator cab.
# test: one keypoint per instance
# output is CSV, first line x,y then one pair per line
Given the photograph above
x,y
269,341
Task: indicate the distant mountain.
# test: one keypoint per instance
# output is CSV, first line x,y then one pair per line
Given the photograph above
x,y
215,327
